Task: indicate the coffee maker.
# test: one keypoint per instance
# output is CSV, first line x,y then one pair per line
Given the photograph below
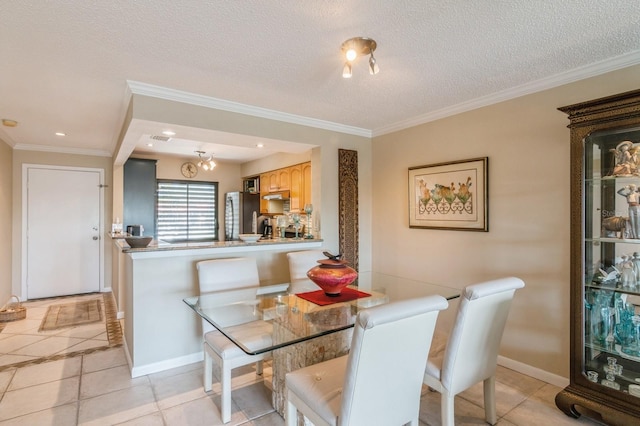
x,y
267,231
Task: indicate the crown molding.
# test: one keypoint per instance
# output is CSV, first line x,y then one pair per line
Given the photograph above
x,y
145,89
560,79
62,150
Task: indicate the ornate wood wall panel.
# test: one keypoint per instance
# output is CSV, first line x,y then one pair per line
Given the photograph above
x,y
348,205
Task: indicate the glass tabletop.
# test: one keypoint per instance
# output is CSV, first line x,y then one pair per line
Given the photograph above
x,y
293,319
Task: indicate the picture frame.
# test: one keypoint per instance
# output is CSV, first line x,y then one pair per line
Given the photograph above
x,y
451,195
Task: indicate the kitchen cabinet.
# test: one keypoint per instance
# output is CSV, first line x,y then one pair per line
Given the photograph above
x,y
139,194
605,260
295,189
283,179
295,179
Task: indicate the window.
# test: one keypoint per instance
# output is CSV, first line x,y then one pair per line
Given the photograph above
x,y
187,211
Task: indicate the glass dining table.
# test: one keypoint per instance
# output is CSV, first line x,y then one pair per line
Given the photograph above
x,y
306,329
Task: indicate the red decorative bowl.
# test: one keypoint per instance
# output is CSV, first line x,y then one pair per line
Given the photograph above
x,y
332,276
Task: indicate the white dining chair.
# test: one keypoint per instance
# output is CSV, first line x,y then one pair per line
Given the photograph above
x,y
380,380
299,263
228,274
471,351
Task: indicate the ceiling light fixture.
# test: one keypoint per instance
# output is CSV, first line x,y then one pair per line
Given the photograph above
x,y
355,47
9,123
169,133
61,134
205,164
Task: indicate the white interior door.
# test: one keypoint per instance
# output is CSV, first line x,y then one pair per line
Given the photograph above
x,y
62,231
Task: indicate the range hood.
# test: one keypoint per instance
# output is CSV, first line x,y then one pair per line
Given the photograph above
x,y
281,195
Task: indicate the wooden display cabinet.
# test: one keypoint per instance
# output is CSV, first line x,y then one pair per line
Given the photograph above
x,y
605,260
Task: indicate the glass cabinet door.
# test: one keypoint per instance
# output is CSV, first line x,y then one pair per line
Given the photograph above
x,y
611,313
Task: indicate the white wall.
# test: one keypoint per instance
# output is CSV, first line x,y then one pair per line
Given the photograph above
x,y
527,142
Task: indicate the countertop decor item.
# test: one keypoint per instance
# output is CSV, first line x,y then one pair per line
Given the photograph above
x,y
138,242
250,238
332,274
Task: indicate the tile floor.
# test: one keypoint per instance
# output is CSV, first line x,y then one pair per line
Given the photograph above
x,y
95,388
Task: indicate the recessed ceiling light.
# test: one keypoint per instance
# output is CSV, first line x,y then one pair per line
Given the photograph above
x,y
9,123
149,144
260,145
169,133
61,134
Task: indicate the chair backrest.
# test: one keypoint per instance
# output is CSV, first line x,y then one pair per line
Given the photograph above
x,y
226,274
471,354
299,263
386,363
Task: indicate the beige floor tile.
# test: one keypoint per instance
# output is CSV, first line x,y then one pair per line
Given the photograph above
x,y
117,407
5,379
178,370
83,345
101,336
46,372
109,380
18,341
254,400
14,359
89,331
47,347
202,411
525,384
22,326
507,398
64,415
5,335
178,389
36,313
271,419
466,413
540,408
103,359
154,419
40,397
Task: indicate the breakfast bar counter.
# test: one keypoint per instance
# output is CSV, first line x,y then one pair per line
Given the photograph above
x,y
149,285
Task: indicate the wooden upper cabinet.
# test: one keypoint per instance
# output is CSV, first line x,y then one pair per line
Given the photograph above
x,y
295,179
283,177
295,188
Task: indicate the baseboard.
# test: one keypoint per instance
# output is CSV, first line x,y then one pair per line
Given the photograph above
x,y
168,364
126,352
537,373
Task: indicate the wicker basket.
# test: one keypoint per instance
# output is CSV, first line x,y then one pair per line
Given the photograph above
x,y
13,311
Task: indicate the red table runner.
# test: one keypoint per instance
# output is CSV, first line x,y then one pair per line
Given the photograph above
x,y
320,298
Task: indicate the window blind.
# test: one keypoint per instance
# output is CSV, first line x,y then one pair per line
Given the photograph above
x,y
187,211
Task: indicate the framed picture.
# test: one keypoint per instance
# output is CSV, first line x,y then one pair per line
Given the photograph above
x,y
449,195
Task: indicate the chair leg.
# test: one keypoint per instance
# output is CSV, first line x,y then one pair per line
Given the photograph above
x,y
446,408
225,394
291,413
259,368
490,400
208,371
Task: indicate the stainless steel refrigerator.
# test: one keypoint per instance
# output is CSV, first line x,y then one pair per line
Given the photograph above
x,y
238,213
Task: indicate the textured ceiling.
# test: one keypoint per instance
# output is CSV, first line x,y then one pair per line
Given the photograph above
x,y
65,64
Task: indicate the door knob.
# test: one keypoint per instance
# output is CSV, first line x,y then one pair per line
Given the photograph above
x,y
95,238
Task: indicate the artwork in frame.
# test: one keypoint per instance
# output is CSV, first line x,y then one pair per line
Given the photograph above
x,y
450,195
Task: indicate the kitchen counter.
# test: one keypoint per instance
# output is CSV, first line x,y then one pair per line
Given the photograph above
x,y
160,245
149,284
